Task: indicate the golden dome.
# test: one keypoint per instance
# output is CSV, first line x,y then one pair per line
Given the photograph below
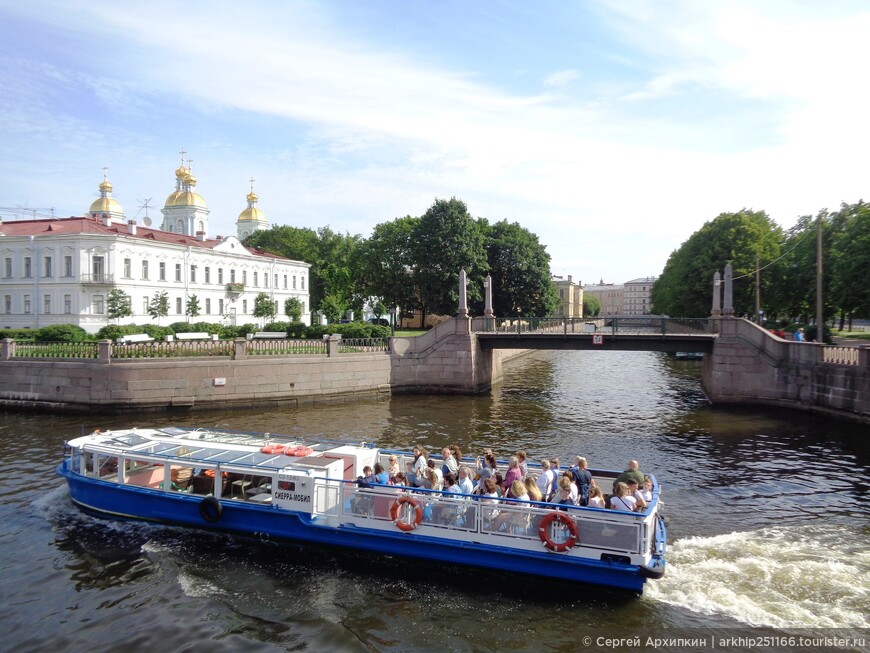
x,y
252,197
185,198
180,172
106,186
252,214
105,205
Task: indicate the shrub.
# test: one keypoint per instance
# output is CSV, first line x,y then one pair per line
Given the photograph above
x,y
156,332
113,331
278,326
61,333
18,334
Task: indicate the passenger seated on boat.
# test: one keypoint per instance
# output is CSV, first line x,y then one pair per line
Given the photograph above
x,y
521,462
393,462
633,471
513,474
499,483
381,474
563,495
449,464
400,479
489,498
418,465
465,482
647,489
554,467
434,475
446,513
596,498
425,483
634,491
532,488
575,495
486,466
621,499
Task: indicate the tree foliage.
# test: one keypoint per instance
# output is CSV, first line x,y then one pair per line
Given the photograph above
x,y
159,305
520,268
118,304
293,309
264,307
447,240
192,309
685,287
591,305
387,264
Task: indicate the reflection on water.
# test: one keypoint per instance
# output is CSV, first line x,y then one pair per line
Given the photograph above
x,y
767,516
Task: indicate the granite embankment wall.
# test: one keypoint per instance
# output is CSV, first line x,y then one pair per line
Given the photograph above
x,y
751,366
445,360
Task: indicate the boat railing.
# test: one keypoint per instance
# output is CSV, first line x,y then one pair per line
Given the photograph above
x,y
509,520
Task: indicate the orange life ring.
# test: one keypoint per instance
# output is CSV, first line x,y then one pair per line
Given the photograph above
x,y
274,449
301,451
394,513
567,522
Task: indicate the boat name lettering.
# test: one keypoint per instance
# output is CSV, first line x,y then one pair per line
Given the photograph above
x,y
289,496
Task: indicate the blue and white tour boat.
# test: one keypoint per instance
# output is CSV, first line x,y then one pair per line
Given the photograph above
x,y
307,492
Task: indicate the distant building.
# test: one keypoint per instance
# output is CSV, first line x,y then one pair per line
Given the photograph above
x,y
61,271
637,296
570,297
609,295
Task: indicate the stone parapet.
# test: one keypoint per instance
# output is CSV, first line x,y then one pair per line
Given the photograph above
x,y
749,365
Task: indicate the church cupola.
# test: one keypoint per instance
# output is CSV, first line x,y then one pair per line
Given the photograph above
x,y
105,206
251,219
185,211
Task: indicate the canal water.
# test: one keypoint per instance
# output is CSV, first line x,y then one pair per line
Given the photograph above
x,y
768,526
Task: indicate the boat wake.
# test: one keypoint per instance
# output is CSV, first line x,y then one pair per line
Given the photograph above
x,y
789,577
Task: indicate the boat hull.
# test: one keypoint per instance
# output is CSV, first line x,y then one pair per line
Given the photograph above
x,y
248,519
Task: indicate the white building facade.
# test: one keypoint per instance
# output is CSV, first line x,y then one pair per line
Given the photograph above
x,y
62,271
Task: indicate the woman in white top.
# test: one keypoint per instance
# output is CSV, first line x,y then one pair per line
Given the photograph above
x,y
621,499
596,499
419,465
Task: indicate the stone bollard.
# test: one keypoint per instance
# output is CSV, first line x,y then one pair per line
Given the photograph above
x,y
104,351
240,350
7,349
332,345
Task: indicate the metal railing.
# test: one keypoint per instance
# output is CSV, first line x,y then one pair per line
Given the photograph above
x,y
97,279
56,350
633,325
278,347
177,349
362,345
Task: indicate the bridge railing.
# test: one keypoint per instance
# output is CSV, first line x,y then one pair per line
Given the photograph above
x,y
631,325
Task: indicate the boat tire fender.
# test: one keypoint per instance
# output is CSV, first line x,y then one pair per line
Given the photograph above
x,y
210,509
394,513
567,522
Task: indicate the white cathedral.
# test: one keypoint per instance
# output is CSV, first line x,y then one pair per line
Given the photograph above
x,y
60,271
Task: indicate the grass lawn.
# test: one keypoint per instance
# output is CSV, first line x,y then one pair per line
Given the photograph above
x,y
859,335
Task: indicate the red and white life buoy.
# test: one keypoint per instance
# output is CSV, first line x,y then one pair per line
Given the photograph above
x,y
274,449
396,508
564,520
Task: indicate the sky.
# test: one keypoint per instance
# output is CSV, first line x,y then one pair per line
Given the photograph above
x,y
612,130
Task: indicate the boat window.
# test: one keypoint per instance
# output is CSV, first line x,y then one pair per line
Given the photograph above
x,y
130,439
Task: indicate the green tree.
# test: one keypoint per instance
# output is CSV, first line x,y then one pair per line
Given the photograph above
x,y
264,307
333,308
118,304
159,305
591,305
685,287
293,309
387,263
447,240
332,258
520,268
192,309
848,258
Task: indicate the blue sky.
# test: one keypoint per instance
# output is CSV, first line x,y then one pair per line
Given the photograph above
x,y
612,130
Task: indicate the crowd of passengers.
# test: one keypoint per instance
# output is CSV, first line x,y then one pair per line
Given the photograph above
x,y
632,490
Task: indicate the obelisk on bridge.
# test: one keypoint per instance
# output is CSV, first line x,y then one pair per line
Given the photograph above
x,y
487,309
717,295
728,299
463,299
